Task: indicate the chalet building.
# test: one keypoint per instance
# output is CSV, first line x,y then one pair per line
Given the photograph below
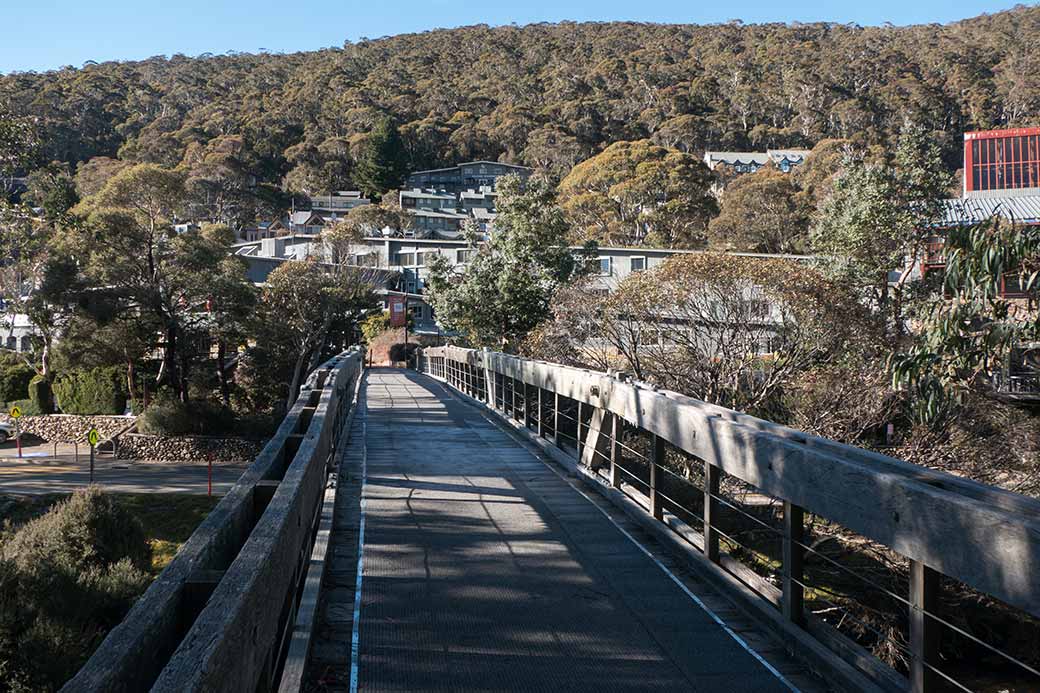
x,y
748,162
728,165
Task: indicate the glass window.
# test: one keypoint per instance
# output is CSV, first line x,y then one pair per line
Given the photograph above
x,y
604,266
419,257
638,264
404,259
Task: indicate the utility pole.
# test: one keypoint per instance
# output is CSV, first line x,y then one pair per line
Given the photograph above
x,y
406,330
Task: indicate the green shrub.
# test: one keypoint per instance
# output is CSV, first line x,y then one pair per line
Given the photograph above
x,y
66,578
14,379
402,351
88,530
41,394
167,417
170,417
27,406
93,392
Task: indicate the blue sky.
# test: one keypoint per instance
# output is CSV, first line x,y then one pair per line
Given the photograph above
x,y
45,34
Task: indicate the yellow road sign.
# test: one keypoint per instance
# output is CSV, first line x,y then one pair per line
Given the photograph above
x,y
16,412
93,436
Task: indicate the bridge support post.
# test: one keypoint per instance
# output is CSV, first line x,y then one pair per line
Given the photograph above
x,y
924,631
794,561
541,414
711,511
615,451
578,434
512,399
655,478
527,406
556,419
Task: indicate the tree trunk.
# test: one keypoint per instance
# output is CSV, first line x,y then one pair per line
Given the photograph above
x,y
130,387
169,373
225,390
297,378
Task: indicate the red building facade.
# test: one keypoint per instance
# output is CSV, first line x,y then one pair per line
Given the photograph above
x,y
1001,160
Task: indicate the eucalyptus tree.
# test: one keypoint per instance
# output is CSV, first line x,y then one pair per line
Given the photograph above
x,y
507,288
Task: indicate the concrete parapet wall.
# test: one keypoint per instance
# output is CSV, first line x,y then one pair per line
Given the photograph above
x,y
217,608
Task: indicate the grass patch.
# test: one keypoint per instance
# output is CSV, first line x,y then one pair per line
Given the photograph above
x,y
168,519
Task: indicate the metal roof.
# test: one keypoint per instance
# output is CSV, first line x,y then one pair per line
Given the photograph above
x,y
973,210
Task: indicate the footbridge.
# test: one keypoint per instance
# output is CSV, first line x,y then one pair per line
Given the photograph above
x,y
490,523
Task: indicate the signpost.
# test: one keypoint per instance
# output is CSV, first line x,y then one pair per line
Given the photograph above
x,y
92,437
16,413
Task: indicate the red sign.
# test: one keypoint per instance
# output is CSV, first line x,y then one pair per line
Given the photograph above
x,y
397,311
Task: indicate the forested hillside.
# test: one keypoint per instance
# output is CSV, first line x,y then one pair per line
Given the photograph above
x,y
546,95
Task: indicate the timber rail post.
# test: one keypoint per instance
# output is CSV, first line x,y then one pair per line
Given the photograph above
x,y
984,537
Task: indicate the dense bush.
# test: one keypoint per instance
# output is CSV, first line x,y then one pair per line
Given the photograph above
x,y
14,378
41,394
66,578
170,417
27,406
91,392
403,352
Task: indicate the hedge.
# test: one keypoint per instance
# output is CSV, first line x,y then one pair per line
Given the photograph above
x,y
41,395
171,417
100,391
14,380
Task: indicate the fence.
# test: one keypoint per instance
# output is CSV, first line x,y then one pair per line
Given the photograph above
x,y
729,484
220,616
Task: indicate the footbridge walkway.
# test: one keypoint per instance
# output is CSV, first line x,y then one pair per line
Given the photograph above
x,y
489,523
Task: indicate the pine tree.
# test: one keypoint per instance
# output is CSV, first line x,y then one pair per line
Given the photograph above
x,y
382,163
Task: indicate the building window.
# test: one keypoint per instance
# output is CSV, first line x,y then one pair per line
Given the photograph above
x,y
638,264
419,257
466,255
405,259
1001,163
604,266
12,343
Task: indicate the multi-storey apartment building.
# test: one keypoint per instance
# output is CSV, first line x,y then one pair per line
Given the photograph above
x,y
471,175
441,200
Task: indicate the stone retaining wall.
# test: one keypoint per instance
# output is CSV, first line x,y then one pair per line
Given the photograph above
x,y
137,446
70,428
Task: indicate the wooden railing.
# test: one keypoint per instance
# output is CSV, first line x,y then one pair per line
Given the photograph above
x,y
685,462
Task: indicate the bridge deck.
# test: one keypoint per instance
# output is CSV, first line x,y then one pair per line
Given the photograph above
x,y
484,569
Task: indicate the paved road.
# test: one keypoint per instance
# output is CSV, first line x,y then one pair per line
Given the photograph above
x,y
32,475
485,569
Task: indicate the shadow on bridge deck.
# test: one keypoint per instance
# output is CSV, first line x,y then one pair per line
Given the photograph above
x,y
484,569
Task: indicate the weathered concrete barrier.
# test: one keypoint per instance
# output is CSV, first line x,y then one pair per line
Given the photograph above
x,y
216,617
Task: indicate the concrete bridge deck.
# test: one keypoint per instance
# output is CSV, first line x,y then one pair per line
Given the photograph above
x,y
483,567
